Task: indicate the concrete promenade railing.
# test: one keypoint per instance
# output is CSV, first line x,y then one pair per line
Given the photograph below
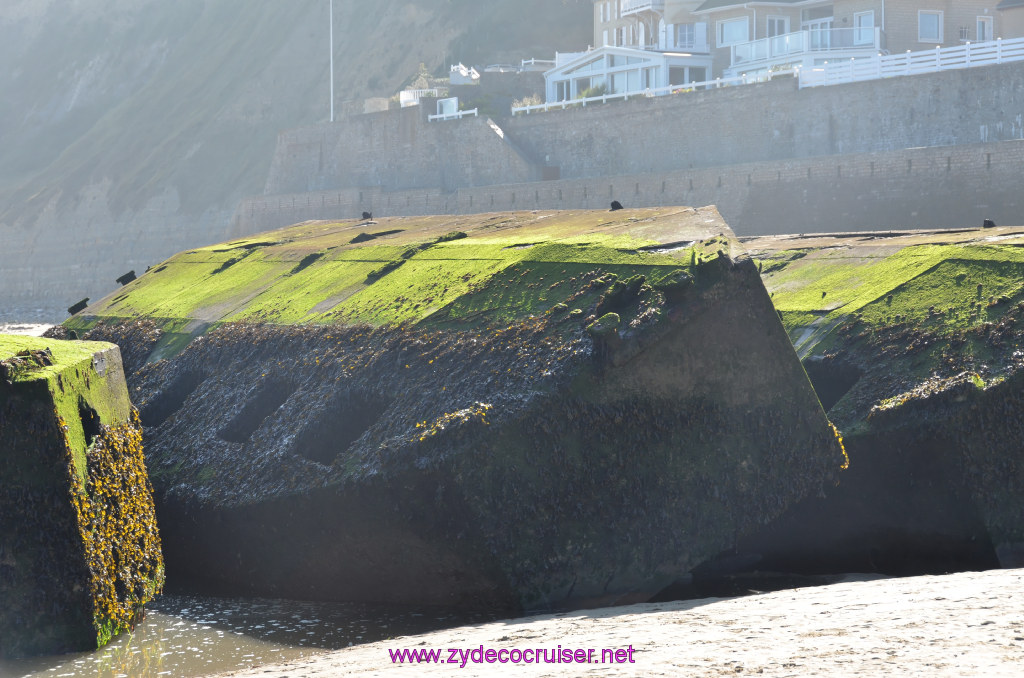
x,y
654,92
912,63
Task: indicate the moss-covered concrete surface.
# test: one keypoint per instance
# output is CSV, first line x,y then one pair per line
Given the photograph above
x,y
913,341
520,410
79,550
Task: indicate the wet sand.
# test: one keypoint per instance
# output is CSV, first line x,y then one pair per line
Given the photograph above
x,y
967,624
28,329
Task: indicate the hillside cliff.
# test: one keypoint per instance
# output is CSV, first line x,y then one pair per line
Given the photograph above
x,y
132,129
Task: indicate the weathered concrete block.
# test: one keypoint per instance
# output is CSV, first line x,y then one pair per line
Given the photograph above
x,y
79,550
425,418
915,352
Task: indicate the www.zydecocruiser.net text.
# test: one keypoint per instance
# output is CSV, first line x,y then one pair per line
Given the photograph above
x,y
462,657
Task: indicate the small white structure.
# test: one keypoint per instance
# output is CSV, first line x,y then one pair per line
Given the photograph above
x,y
411,97
624,70
463,75
448,109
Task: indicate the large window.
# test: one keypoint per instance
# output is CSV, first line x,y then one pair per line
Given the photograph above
x,y
733,31
863,28
984,28
778,25
686,36
929,26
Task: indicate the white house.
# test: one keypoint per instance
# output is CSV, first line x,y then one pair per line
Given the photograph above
x,y
624,70
756,36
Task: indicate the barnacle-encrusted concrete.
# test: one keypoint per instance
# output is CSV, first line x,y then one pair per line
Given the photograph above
x,y
914,341
517,410
79,550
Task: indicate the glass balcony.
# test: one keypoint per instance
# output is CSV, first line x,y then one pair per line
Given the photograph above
x,y
780,47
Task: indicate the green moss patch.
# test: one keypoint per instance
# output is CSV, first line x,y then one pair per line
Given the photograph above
x,y
474,270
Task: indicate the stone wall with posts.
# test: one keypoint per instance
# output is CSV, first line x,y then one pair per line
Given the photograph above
x,y
934,187
928,150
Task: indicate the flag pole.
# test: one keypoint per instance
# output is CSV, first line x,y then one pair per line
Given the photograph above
x,y
332,59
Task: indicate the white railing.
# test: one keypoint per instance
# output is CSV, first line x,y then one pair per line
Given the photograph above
x,y
656,91
634,6
411,97
457,115
698,44
801,42
536,64
911,63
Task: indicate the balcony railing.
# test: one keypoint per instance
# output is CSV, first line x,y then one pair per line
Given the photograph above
x,y
800,42
636,6
698,44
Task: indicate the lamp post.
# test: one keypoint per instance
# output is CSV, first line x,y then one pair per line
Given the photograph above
x,y
331,22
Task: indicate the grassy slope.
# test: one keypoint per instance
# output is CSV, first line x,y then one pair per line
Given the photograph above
x,y
510,266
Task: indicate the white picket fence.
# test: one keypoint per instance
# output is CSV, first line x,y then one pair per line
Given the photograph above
x,y
913,63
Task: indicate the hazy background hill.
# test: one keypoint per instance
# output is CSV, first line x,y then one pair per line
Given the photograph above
x,y
129,129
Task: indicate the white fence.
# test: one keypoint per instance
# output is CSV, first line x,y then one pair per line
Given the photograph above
x,y
457,115
853,70
912,63
654,92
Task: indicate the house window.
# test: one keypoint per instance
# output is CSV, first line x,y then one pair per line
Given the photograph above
x,y
929,26
733,31
778,25
864,28
686,36
984,28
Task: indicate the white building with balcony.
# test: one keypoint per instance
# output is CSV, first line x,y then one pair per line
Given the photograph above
x,y
755,37
637,50
622,70
803,49
656,46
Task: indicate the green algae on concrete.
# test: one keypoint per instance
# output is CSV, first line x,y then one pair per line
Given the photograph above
x,y
79,549
914,343
324,273
381,412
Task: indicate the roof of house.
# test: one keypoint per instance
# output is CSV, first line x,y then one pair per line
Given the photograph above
x,y
722,4
1007,4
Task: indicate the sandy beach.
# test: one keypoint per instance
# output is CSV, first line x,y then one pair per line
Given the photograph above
x,y
968,624
28,329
